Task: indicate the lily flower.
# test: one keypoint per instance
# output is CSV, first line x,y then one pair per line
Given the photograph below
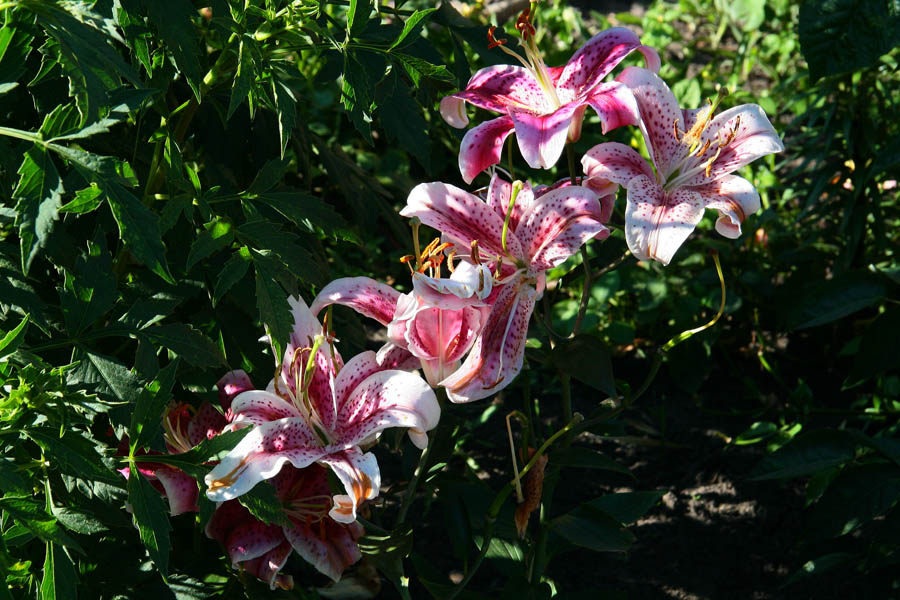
x,y
528,233
545,106
436,323
694,155
319,410
262,549
184,427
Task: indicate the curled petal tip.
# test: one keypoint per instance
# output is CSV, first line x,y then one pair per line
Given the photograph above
x,y
454,112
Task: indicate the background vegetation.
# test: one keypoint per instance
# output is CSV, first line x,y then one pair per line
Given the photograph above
x,y
171,170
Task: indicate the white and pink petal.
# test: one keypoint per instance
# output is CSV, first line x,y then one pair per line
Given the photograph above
x,y
482,146
364,295
360,477
735,198
657,223
542,137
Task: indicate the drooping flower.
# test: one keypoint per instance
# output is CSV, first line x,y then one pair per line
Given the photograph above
x,y
545,106
318,410
436,323
694,155
262,549
184,428
539,233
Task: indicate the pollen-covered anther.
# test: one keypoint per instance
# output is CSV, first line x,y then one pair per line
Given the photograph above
x,y
523,24
474,253
677,133
492,41
450,258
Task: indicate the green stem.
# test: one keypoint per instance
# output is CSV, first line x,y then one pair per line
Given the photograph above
x,y
421,468
497,504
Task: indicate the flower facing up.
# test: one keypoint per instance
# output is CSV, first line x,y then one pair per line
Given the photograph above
x,y
318,410
544,106
694,154
262,550
528,233
435,324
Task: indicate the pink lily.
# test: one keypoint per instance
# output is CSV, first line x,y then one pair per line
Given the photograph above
x,y
545,106
262,550
540,232
316,410
436,323
694,154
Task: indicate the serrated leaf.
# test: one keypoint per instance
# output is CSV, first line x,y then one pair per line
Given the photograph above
x,y
91,291
358,17
31,515
286,107
361,74
15,46
192,461
139,229
216,236
59,581
174,22
417,68
103,170
146,418
587,359
271,300
73,454
413,23
308,212
151,517
264,505
86,200
402,119
78,520
37,198
188,343
11,340
10,481
114,115
244,76
111,377
263,235
232,272
268,177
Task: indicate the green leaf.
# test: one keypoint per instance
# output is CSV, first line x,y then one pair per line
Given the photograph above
x,y
358,17
232,272
592,529
417,68
264,505
91,291
807,454
816,567
388,551
139,229
266,236
585,458
413,23
174,22
37,198
59,581
286,107
106,171
13,339
146,418
877,350
271,300
268,177
85,201
73,454
10,481
747,15
837,36
114,115
188,343
756,433
402,119
111,377
627,507
586,358
31,515
78,520
216,236
244,76
150,515
362,71
15,46
308,212
858,495
192,461
835,298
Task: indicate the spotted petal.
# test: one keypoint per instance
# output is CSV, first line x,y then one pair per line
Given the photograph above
x,y
261,454
260,406
230,385
180,490
500,87
268,566
615,162
327,545
497,356
482,146
461,216
364,295
384,399
596,58
558,223
735,198
541,138
657,223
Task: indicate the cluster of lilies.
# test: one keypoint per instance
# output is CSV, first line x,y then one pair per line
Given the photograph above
x,y
473,290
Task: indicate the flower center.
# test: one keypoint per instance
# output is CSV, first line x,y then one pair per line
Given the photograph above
x,y
533,61
303,375
700,154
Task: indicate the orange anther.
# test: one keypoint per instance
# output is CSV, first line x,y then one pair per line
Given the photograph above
x,y
492,41
523,24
